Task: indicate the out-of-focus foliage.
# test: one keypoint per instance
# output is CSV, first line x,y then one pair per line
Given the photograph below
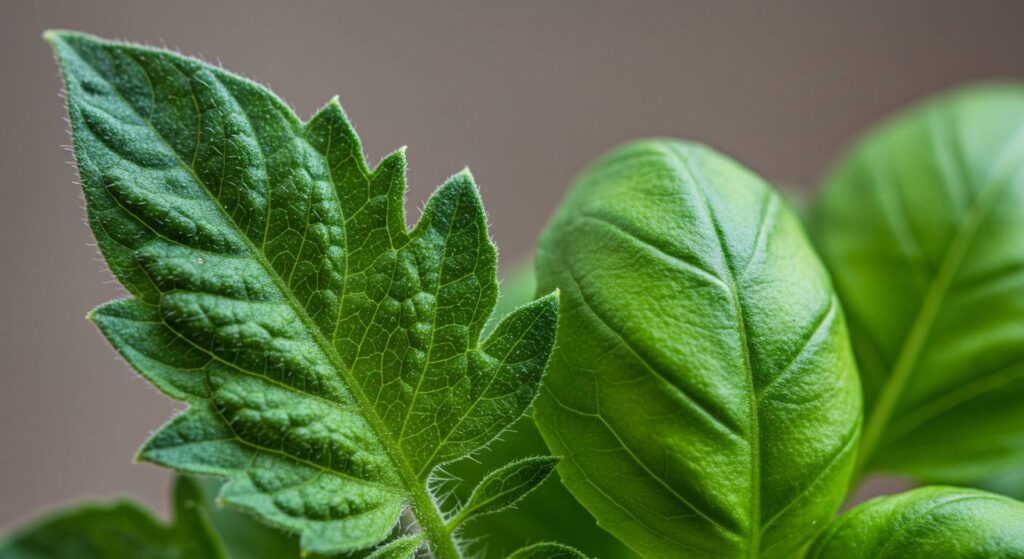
x,y
122,530
922,227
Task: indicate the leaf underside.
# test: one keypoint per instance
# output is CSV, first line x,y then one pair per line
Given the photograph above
x,y
702,392
331,358
922,228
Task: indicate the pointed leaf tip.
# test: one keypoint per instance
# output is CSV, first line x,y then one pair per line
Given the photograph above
x,y
404,547
248,260
505,487
546,550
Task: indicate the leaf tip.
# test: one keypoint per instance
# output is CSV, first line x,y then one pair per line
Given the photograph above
x,y
551,299
56,36
466,174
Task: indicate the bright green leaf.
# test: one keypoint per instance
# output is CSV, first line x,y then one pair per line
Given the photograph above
x,y
121,530
703,391
927,523
331,357
505,487
922,226
546,550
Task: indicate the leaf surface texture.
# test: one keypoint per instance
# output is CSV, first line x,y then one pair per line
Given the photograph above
x,y
331,357
926,523
703,391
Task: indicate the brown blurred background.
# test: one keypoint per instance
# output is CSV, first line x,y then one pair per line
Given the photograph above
x,y
525,93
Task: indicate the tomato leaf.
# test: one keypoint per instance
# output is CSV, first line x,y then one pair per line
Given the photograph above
x,y
504,487
331,358
404,547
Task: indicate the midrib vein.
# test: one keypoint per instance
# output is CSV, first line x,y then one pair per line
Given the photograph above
x,y
429,517
754,542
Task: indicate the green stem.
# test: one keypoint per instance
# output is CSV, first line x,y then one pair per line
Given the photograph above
x,y
440,537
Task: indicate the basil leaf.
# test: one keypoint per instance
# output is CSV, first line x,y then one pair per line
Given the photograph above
x,y
927,523
122,530
331,358
922,226
702,391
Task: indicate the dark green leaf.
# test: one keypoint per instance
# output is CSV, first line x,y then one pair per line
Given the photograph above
x,y
703,391
922,226
927,523
121,530
331,357
505,487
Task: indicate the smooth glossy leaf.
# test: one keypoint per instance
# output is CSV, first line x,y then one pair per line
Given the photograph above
x,y
122,530
927,523
702,392
550,512
922,226
503,488
546,550
331,357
